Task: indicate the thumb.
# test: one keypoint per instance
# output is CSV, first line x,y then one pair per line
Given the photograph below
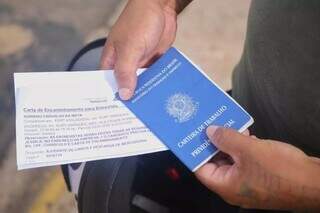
x,y
228,140
126,67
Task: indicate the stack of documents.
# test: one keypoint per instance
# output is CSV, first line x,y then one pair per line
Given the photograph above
x,y
68,117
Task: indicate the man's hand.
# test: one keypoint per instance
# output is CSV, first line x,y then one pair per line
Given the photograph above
x,y
265,174
144,31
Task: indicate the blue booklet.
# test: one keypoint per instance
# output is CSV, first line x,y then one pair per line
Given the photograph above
x,y
177,102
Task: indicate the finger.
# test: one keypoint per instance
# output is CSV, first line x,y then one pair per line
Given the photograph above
x,y
213,176
246,132
206,172
228,140
108,56
125,72
222,159
222,162
149,61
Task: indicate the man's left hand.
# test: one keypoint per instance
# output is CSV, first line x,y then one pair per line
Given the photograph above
x,y
264,174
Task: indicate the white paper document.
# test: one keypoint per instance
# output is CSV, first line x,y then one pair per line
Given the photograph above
x,y
68,117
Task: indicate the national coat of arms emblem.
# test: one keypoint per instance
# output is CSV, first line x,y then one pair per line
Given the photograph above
x,y
181,107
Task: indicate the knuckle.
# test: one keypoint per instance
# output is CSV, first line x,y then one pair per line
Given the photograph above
x,y
124,70
125,77
121,76
109,43
107,61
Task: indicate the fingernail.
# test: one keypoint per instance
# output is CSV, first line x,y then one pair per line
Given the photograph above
x,y
125,93
211,130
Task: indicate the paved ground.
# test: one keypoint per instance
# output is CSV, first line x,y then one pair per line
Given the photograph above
x,y
43,35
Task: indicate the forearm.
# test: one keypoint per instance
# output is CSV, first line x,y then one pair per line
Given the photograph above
x,y
299,190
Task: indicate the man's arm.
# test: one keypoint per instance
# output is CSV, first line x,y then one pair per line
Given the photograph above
x,y
143,32
263,174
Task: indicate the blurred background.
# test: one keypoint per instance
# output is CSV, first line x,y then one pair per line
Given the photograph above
x,y
37,35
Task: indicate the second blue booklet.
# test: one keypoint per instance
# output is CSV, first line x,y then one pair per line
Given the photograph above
x,y
177,102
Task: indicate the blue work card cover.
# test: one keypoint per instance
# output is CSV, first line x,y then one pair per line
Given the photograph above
x,y
177,102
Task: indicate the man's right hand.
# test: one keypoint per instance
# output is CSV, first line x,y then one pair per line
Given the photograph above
x,y
143,32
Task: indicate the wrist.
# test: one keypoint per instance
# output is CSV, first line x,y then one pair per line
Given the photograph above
x,y
309,190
